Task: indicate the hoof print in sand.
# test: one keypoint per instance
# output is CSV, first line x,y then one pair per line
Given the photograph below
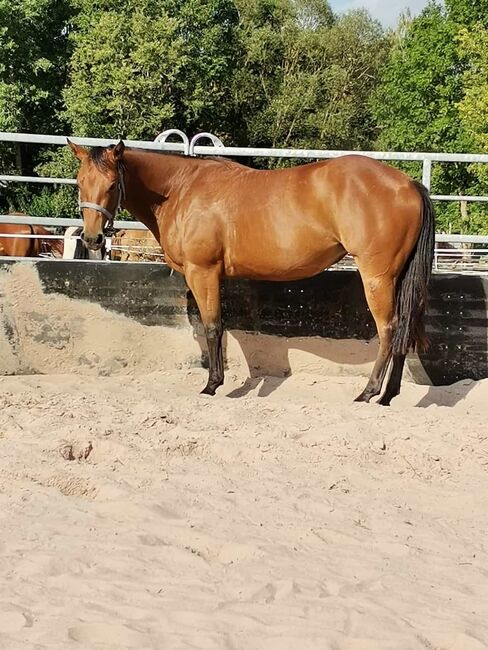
x,y
75,451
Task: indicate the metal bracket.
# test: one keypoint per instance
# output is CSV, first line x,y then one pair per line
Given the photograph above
x,y
162,137
216,142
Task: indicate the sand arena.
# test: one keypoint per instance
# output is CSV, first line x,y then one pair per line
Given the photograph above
x,y
136,513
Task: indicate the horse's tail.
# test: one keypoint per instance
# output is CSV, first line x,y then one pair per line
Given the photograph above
x,y
412,286
32,245
81,251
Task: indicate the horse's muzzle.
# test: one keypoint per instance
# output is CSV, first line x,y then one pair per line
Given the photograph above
x,y
93,243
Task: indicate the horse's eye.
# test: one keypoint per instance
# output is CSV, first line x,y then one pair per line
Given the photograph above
x,y
112,186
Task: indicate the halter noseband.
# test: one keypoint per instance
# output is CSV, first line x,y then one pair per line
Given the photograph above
x,y
99,208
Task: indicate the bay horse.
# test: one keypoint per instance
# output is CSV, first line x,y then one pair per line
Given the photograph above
x,y
214,218
26,246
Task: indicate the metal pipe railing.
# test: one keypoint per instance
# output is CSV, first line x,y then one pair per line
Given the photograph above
x,y
219,149
253,152
54,222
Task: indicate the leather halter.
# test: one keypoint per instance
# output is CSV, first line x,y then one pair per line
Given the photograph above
x,y
100,208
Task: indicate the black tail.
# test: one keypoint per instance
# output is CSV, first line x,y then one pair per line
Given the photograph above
x,y
412,286
81,251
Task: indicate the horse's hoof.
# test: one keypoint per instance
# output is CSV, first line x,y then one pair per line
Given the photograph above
x,y
384,401
208,390
211,387
364,397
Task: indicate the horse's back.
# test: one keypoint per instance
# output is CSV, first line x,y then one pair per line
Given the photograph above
x,y
294,222
351,202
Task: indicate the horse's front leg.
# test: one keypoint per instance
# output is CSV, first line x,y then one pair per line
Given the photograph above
x,y
205,286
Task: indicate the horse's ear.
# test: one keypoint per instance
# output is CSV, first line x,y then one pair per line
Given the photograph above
x,y
80,152
118,150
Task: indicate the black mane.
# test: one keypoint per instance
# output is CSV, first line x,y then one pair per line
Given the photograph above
x,y
97,156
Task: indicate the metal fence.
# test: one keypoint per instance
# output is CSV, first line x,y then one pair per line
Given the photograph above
x,y
459,256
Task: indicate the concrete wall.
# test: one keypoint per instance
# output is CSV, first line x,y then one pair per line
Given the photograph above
x,y
287,316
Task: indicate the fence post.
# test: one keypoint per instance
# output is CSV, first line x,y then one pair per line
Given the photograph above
x,y
463,206
426,173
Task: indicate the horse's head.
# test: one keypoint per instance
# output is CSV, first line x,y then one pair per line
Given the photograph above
x,y
101,186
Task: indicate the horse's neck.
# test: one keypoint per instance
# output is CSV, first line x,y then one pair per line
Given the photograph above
x,y
150,179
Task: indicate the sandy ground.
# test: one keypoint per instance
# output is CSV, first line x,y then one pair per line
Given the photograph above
x,y
135,513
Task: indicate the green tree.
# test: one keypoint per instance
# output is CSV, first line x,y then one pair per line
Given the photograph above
x,y
472,19
256,79
305,76
208,30
126,58
33,56
416,103
34,52
142,65
468,12
473,107
283,73
417,106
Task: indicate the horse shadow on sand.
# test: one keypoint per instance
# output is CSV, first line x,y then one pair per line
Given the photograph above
x,y
281,326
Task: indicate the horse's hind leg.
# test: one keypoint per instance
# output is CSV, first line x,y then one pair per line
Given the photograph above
x,y
380,295
393,385
205,286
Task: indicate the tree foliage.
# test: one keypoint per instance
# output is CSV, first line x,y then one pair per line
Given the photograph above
x,y
305,76
165,62
418,103
468,12
116,78
255,72
474,105
34,53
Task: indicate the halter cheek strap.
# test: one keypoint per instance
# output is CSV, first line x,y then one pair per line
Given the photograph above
x,y
100,208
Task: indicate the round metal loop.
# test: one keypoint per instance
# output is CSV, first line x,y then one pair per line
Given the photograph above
x,y
162,137
216,142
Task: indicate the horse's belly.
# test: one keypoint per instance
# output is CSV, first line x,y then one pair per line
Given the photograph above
x,y
284,265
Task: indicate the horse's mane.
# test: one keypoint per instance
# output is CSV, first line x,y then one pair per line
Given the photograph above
x,y
97,156
160,152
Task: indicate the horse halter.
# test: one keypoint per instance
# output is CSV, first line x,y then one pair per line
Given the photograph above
x,y
99,208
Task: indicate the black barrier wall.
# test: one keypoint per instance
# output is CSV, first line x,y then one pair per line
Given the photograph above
x,y
330,305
